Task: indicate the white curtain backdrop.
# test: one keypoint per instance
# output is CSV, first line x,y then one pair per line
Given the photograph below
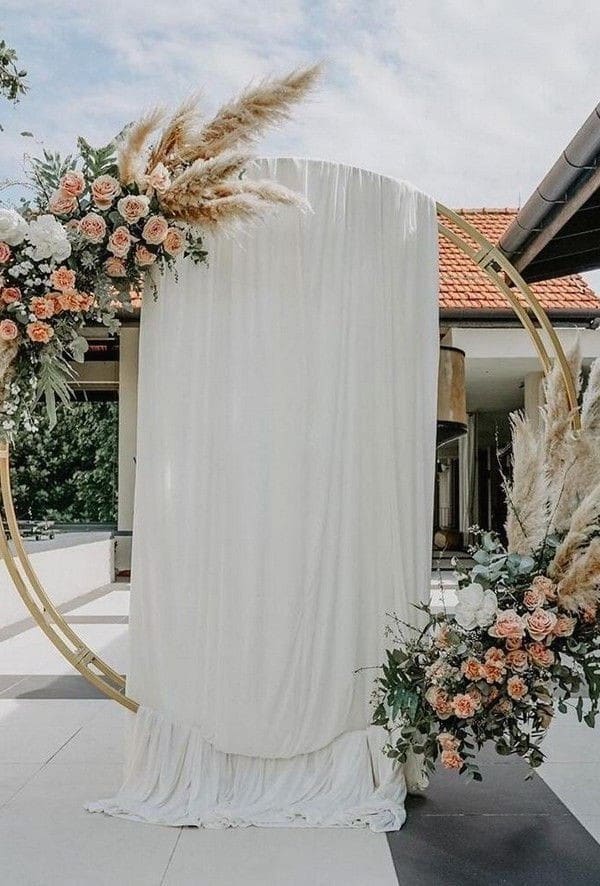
x,y
283,506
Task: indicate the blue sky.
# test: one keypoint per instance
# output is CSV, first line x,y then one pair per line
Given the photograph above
x,y
471,101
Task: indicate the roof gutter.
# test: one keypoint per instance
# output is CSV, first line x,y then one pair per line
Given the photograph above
x,y
570,183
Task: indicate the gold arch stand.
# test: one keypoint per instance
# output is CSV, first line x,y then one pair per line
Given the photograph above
x,y
90,665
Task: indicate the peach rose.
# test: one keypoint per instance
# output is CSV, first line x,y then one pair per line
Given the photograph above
x,y
5,252
119,242
143,256
11,294
133,208
155,230
516,687
493,671
517,660
71,301
63,278
159,178
540,655
476,695
105,189
546,586
565,625
452,759
495,655
508,624
8,330
43,308
540,623
114,267
135,298
472,669
62,204
174,242
513,643
72,183
464,705
93,227
40,332
440,702
86,301
448,742
534,598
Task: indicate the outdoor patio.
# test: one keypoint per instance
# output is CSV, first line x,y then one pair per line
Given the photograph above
x,y
61,744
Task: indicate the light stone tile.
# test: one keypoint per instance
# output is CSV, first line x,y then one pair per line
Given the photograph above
x,y
33,730
102,739
115,603
48,839
13,776
281,857
592,824
576,784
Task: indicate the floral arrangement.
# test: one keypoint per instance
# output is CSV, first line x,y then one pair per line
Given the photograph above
x,y
104,220
524,638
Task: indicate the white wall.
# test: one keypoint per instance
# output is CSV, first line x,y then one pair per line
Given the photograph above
x,y
64,573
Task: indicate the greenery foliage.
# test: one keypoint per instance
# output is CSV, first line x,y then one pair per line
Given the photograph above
x,y
12,77
69,474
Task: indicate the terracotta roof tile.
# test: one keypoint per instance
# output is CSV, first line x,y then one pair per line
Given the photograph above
x,y
464,287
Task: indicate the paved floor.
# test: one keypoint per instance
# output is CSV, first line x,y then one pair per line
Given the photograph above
x,y
60,745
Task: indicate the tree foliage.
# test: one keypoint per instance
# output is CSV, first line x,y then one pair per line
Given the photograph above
x,y
69,473
12,77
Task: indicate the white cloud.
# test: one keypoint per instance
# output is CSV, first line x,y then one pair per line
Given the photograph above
x,y
472,101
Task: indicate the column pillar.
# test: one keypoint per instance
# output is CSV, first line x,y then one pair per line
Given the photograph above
x,y
128,385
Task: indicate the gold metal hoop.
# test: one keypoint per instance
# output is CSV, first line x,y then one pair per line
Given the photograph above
x,y
20,569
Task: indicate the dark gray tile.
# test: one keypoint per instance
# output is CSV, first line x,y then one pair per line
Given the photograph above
x,y
495,850
503,790
8,682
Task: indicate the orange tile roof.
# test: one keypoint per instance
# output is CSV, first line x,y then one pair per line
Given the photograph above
x,y
465,288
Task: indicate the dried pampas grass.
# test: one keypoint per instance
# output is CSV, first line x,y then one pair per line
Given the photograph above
x,y
527,494
580,586
205,163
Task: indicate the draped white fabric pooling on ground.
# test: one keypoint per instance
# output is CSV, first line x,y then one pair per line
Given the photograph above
x,y
283,506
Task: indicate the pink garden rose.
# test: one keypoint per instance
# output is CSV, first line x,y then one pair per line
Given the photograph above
x,y
93,227
540,655
5,253
62,204
72,183
546,586
105,190
119,242
464,705
534,598
155,230
447,741
517,660
472,669
114,267
43,308
40,332
540,623
174,242
11,294
159,178
440,702
63,278
452,760
132,208
508,625
516,687
144,257
565,625
8,330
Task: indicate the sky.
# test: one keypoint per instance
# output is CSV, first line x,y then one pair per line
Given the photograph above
x,y
470,100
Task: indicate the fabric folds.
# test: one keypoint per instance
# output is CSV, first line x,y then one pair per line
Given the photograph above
x,y
284,493
175,777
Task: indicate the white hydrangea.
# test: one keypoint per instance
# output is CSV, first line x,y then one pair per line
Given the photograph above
x,y
48,239
476,608
13,227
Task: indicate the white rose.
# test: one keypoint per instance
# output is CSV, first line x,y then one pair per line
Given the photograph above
x,y
48,239
476,608
13,227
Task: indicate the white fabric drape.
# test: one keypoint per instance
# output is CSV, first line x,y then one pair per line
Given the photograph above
x,y
283,506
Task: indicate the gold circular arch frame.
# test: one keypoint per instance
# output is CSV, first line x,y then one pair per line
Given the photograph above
x,y
454,228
